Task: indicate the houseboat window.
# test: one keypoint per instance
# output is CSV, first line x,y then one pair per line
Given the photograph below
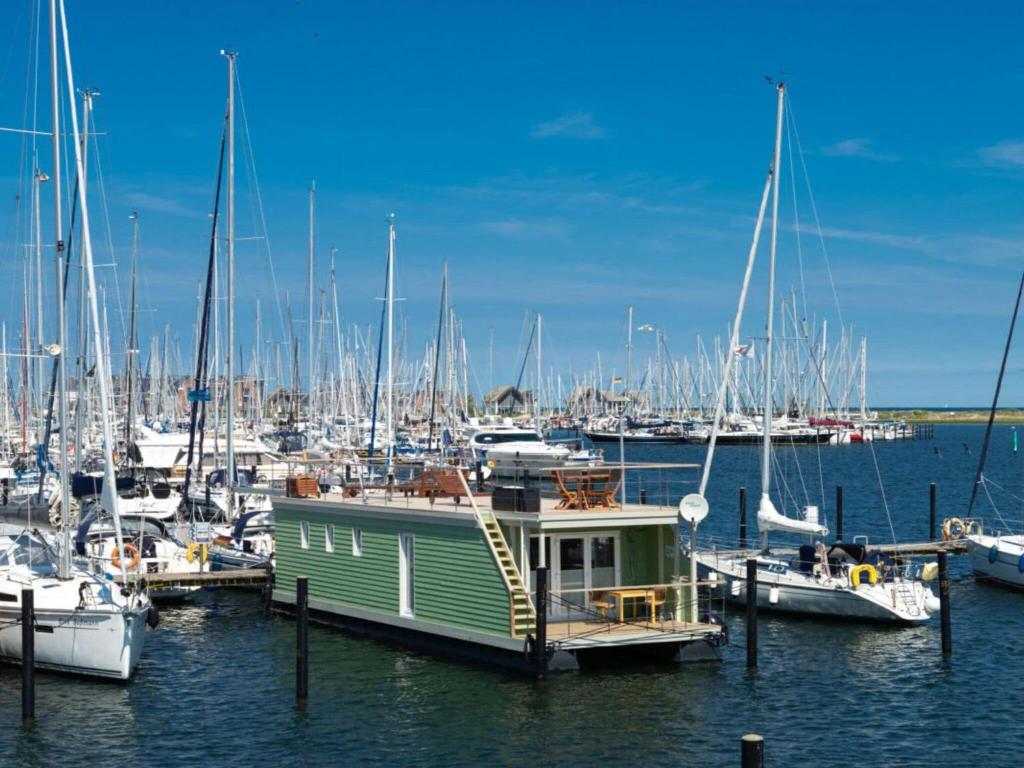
x,y
406,574
357,542
304,534
328,538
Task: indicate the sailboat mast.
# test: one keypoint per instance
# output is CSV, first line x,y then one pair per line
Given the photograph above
x,y
391,334
537,392
58,225
229,356
309,302
132,345
766,453
109,494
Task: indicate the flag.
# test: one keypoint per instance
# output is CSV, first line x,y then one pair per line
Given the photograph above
x,y
743,350
616,379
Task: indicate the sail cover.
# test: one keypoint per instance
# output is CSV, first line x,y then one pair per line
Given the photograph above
x,y
769,519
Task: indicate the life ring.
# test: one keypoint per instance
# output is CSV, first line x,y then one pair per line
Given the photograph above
x,y
864,568
953,528
974,528
195,549
131,549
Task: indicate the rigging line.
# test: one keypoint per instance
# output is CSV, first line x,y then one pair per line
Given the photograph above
x,y
259,201
817,219
881,488
995,397
994,507
796,210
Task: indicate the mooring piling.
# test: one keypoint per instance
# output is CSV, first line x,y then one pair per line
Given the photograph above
x,y
743,517
752,613
947,631
839,513
931,511
752,751
540,647
301,640
28,656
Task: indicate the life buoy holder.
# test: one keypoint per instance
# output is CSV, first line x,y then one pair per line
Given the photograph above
x,y
195,550
859,570
130,549
953,528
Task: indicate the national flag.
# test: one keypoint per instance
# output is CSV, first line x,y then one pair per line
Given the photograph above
x,y
743,350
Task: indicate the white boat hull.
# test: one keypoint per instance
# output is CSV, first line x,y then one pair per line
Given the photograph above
x,y
1002,565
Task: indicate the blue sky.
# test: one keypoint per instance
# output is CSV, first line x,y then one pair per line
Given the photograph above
x,y
572,159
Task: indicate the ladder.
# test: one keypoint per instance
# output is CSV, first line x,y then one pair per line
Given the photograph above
x,y
522,613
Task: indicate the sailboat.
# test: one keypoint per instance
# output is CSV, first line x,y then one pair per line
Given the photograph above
x,y
996,555
843,580
85,623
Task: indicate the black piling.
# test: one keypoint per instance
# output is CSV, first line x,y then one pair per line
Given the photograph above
x,y
479,476
752,613
931,511
301,640
28,656
947,631
743,517
839,513
540,648
643,496
752,751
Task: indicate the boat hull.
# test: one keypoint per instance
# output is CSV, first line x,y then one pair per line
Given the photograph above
x,y
1005,567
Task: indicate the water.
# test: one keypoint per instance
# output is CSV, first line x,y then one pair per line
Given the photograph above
x,y
216,685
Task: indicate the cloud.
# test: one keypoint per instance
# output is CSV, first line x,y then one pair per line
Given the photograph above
x,y
857,147
1005,154
516,227
579,125
147,202
909,242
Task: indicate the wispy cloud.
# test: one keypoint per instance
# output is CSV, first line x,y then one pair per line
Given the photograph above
x,y
148,202
519,227
908,242
860,146
579,125
1005,154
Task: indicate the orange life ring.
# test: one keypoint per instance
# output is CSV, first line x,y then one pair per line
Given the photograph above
x,y
131,549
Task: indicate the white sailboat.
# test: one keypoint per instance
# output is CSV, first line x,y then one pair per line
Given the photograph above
x,y
85,623
820,581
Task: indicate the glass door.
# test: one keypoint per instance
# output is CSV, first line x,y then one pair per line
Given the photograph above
x,y
570,574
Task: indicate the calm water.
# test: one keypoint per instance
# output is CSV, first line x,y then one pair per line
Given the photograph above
x,y
215,686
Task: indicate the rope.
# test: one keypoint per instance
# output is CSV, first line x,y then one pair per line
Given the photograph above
x,y
881,488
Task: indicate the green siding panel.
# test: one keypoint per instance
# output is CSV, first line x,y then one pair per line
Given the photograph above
x,y
457,582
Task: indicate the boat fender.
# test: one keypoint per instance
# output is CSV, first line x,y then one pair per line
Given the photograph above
x,y
773,596
153,617
1020,564
130,549
952,528
929,571
974,528
858,570
993,553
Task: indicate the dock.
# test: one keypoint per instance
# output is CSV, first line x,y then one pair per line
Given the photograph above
x,y
254,577
909,549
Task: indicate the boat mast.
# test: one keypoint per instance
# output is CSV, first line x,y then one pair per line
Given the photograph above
x,y
109,497
309,302
766,453
65,495
536,397
132,345
391,333
229,356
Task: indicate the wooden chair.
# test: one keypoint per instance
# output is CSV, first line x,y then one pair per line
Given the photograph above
x,y
602,603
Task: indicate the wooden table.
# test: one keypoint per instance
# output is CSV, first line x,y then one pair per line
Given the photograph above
x,y
632,594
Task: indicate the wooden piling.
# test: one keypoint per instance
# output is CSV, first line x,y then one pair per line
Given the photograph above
x,y
540,648
839,513
743,517
752,751
752,613
643,496
28,656
931,511
947,631
302,639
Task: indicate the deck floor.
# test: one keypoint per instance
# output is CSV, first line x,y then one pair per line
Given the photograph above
x,y
597,633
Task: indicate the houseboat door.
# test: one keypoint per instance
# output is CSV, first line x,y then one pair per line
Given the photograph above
x,y
582,563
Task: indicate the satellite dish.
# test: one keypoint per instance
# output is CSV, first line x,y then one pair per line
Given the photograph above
x,y
693,508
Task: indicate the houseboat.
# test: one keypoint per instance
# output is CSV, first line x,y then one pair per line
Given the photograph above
x,y
436,564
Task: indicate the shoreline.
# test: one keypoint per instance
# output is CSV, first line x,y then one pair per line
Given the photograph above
x,y
965,416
